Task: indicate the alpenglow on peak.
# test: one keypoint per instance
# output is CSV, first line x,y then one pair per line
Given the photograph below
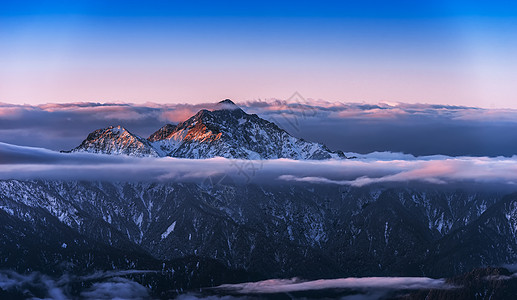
x,y
227,131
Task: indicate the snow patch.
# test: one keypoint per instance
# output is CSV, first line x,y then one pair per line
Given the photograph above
x,y
169,230
386,233
7,210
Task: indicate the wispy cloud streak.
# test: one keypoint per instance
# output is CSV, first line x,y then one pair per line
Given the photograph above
x,y
274,286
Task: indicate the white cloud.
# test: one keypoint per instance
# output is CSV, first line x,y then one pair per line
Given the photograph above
x,y
35,163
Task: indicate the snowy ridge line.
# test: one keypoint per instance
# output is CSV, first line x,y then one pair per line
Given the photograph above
x,y
227,131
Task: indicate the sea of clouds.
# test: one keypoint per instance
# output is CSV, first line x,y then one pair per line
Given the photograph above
x,y
26,163
418,129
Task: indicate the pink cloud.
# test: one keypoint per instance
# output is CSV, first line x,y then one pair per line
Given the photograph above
x,y
179,112
177,115
435,170
10,112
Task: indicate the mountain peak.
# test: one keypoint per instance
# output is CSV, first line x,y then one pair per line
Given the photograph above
x,y
116,129
226,104
226,131
227,101
116,140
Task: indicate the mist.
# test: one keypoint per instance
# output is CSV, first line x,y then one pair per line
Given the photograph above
x,y
103,285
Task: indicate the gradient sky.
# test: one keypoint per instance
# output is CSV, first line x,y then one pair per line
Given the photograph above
x,y
448,52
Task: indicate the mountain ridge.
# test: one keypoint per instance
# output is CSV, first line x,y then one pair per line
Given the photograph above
x,y
304,230
116,140
227,131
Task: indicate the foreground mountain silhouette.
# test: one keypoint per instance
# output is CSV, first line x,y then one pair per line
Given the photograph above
x,y
227,131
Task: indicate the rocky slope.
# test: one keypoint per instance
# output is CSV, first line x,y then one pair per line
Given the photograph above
x,y
116,140
279,231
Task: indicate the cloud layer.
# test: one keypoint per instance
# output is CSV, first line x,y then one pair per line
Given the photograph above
x,y
112,285
418,129
18,162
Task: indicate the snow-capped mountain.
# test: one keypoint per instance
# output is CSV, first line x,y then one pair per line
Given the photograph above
x,y
116,140
226,131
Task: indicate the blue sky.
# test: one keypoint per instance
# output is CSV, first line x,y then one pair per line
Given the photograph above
x,y
450,52
321,9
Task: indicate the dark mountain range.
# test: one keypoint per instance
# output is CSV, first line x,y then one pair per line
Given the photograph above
x,y
310,231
